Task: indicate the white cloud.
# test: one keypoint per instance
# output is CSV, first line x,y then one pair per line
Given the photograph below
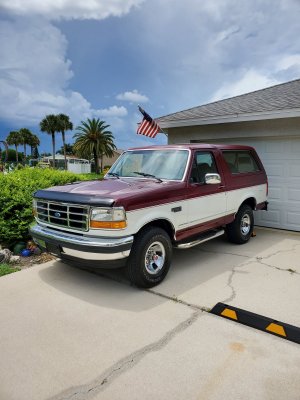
x,y
219,42
69,9
290,61
225,35
252,80
35,75
113,111
133,96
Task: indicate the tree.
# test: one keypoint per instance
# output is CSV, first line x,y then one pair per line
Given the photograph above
x,y
11,156
35,153
64,124
50,125
5,150
69,149
14,139
34,142
26,136
94,139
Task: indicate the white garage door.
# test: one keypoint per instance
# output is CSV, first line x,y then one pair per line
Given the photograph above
x,y
281,159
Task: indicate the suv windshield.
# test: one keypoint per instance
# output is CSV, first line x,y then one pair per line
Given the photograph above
x,y
162,164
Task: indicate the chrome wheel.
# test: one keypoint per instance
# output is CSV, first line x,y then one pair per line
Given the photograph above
x,y
245,224
155,258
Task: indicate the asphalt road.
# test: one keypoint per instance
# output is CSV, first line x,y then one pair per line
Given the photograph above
x,y
66,333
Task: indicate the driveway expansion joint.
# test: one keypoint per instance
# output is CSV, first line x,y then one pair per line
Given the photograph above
x,y
88,391
179,301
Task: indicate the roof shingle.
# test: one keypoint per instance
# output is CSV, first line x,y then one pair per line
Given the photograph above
x,y
285,96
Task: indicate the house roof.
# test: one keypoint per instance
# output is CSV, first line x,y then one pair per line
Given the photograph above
x,y
280,101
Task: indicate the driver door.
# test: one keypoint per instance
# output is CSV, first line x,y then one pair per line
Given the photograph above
x,y
206,202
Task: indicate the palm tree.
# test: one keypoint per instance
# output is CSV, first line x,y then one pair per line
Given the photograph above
x,y
50,125
64,124
107,150
69,149
14,139
26,135
33,143
93,138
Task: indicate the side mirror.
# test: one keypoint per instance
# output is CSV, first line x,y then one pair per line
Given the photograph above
x,y
212,179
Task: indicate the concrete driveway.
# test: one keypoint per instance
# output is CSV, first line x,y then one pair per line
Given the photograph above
x,y
70,334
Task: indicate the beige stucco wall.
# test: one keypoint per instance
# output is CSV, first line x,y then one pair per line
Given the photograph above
x,y
287,127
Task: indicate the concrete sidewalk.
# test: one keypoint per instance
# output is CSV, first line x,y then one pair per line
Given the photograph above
x,y
70,334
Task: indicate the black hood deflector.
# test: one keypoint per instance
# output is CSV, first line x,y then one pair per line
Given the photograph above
x,y
85,199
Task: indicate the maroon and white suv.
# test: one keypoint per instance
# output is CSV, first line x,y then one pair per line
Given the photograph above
x,y
151,200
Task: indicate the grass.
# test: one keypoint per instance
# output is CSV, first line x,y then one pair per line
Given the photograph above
x,y
6,269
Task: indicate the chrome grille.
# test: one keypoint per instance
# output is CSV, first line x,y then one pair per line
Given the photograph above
x,y
72,216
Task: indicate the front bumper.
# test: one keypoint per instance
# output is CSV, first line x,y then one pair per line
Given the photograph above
x,y
82,248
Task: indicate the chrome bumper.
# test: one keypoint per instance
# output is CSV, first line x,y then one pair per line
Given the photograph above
x,y
64,244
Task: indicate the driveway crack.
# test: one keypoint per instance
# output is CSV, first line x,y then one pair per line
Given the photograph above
x,y
88,391
275,253
290,270
230,280
221,253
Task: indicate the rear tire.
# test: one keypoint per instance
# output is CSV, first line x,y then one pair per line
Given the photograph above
x,y
150,257
240,230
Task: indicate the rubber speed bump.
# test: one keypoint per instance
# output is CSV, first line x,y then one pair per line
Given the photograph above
x,y
277,328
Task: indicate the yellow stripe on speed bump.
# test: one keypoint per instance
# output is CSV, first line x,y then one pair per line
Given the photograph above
x,y
265,324
275,328
229,313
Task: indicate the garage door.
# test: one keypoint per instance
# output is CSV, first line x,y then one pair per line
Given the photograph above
x,y
281,159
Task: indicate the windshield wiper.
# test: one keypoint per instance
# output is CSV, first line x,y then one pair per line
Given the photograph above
x,y
114,174
148,175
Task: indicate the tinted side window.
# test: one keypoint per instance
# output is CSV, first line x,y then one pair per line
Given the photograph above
x,y
203,163
240,161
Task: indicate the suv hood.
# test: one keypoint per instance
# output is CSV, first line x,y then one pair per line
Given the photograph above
x,y
129,193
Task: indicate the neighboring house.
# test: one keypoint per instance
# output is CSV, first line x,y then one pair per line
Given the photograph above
x,y
108,161
74,164
267,119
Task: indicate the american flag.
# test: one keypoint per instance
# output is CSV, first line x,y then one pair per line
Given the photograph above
x,y
148,126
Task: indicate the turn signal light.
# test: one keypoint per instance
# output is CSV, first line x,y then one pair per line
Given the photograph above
x,y
108,224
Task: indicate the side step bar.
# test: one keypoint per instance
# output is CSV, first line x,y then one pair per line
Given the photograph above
x,y
201,239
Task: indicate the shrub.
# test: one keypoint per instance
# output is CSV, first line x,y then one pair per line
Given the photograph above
x,y
16,190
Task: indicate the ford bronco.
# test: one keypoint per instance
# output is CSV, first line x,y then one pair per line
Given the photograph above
x,y
151,200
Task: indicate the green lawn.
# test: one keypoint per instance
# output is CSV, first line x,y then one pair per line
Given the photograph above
x,y
7,269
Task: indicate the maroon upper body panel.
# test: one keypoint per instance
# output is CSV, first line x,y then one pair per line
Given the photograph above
x,y
194,146
135,193
234,181
131,193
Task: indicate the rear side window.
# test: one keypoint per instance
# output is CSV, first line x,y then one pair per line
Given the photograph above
x,y
240,161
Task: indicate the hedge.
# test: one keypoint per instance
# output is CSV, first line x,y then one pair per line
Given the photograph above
x,y
16,190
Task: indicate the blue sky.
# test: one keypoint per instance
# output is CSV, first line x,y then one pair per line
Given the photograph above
x,y
96,58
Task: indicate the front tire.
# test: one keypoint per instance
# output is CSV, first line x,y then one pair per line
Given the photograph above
x,y
150,257
240,230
